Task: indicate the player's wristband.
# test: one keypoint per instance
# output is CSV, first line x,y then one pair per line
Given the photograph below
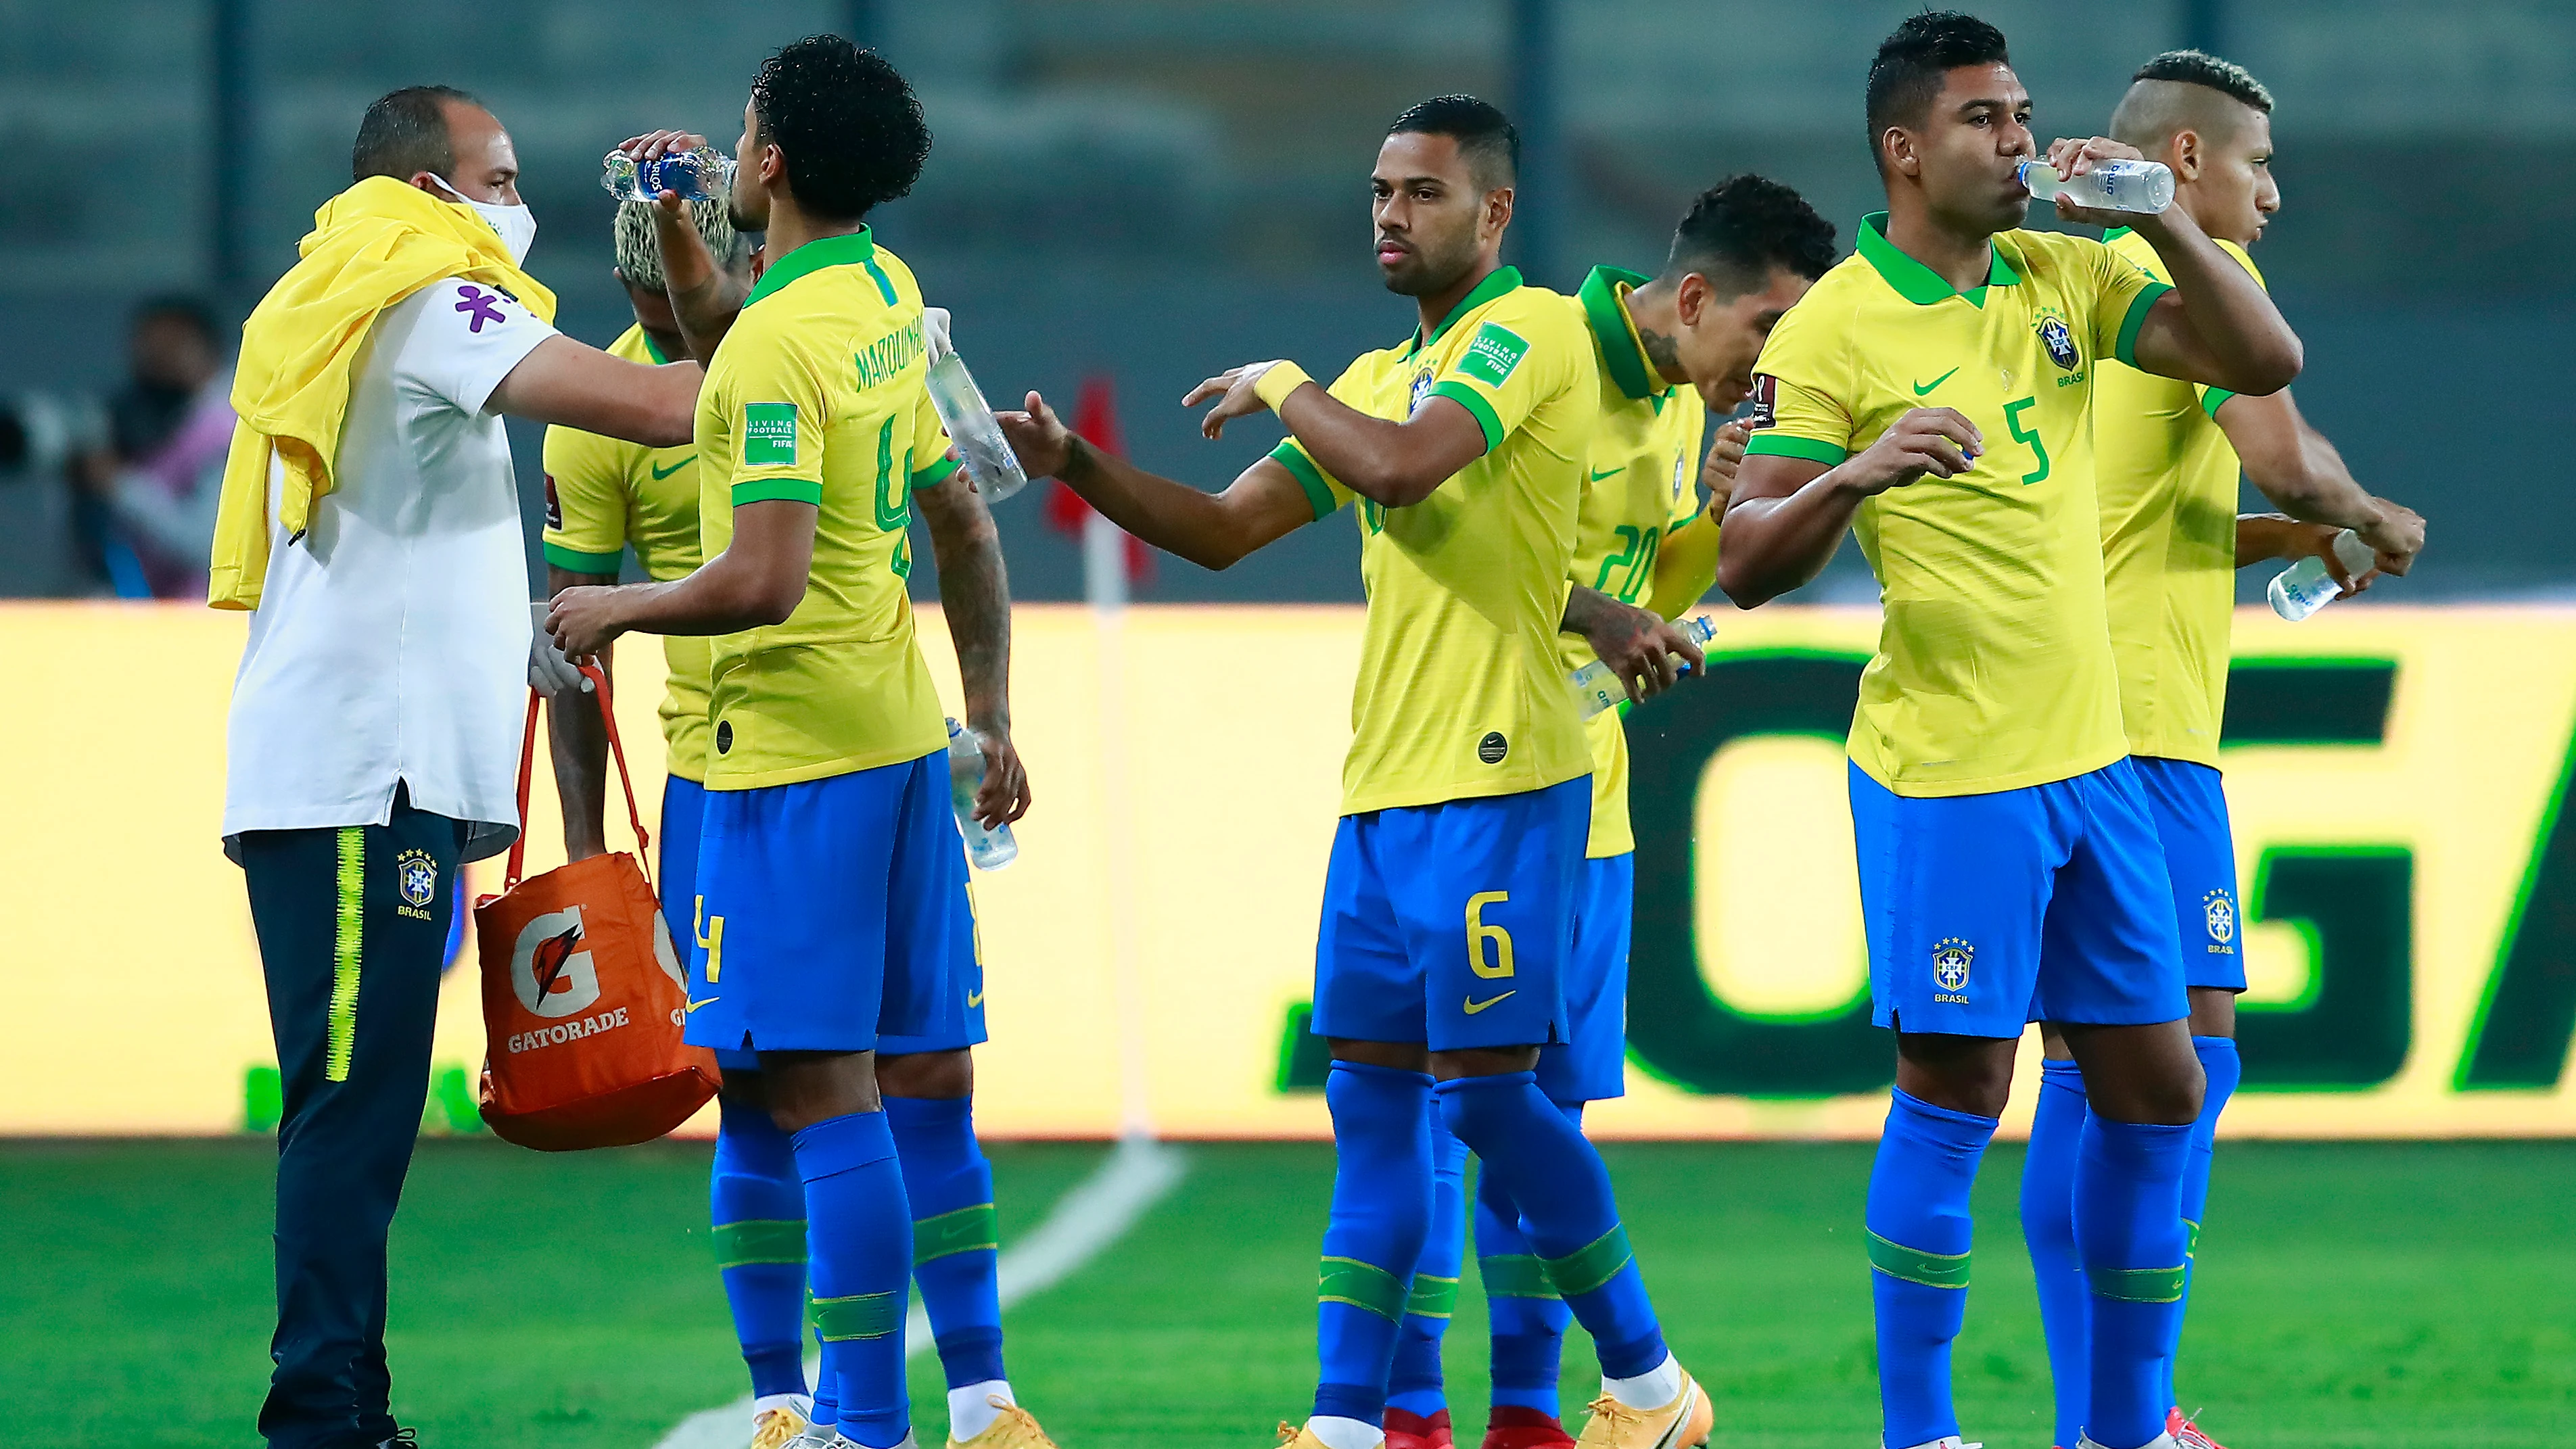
x,y
1282,379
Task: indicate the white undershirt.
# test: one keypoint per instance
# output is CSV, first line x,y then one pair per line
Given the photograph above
x,y
390,644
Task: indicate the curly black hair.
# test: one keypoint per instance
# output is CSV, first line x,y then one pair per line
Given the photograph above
x,y
847,123
1742,228
1907,72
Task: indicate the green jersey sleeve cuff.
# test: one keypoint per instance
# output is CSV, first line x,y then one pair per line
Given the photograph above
x,y
574,561
2126,349
2212,398
791,490
1783,445
1319,494
934,475
1474,402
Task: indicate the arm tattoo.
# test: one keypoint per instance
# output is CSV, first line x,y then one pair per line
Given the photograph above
x,y
975,593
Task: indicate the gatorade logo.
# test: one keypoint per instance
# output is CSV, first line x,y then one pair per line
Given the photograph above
x,y
550,972
1493,747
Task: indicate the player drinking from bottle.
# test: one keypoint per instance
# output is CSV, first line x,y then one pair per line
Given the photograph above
x,y
2169,452
1933,394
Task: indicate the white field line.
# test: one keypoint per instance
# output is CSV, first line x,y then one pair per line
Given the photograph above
x,y
1094,1214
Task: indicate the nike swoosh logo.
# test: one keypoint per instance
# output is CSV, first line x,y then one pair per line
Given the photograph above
x,y
1474,1006
710,1001
661,473
975,998
1597,477
1922,388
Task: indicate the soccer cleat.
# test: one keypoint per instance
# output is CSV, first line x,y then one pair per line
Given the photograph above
x,y
1413,1431
2161,1441
777,1428
1510,1426
1014,1428
1298,1436
2185,1433
1681,1424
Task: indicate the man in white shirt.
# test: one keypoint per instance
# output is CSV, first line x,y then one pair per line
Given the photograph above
x,y
374,739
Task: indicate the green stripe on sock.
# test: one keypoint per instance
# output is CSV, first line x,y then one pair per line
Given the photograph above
x,y
759,1240
1515,1275
1362,1285
348,929
2137,1285
1432,1297
861,1315
1932,1270
1589,1267
967,1230
2190,1240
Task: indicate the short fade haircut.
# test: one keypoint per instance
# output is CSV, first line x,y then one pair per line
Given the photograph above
x,y
2182,90
847,122
1486,138
405,132
1738,231
639,250
1907,72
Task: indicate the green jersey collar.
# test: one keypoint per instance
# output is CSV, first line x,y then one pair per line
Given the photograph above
x,y
2115,233
1622,351
652,349
1496,283
1917,283
855,249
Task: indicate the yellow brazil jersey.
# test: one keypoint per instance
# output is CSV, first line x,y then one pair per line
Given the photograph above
x,y
1640,484
2168,485
603,494
1994,668
1460,691
817,396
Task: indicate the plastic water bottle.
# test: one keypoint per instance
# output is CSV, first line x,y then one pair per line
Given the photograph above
x,y
1596,688
699,175
990,848
969,420
2140,186
2305,587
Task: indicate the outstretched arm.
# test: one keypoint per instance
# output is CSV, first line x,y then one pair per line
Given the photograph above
x,y
1386,462
2305,477
1212,530
579,386
1788,514
704,298
975,594
759,579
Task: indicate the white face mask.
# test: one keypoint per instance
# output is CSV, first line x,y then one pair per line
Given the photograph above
x,y
515,225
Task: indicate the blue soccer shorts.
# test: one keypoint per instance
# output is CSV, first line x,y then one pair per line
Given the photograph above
x,y
2048,902
1591,1064
2190,808
1452,924
825,912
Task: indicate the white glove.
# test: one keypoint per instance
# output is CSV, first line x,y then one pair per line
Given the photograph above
x,y
934,331
549,672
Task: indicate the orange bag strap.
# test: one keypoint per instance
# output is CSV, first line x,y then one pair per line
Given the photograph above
x,y
527,775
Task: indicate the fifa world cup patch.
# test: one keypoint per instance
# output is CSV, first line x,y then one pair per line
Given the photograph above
x,y
2219,910
1492,355
768,434
1951,958
416,880
554,505
1766,403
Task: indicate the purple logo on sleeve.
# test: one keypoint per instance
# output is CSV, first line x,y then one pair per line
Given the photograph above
x,y
478,306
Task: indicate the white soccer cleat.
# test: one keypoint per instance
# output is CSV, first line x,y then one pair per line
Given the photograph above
x,y
2161,1441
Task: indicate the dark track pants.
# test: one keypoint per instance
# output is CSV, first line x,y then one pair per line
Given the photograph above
x,y
352,926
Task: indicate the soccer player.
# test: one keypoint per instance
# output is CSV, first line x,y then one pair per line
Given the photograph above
x,y
1933,394
2169,454
1450,897
1666,351
830,886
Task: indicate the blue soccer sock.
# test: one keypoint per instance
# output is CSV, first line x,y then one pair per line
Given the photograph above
x,y
1919,1236
2048,1227
860,1238
1415,1386
758,1209
2128,1226
2224,1068
1553,1175
1381,1214
1527,1315
954,1244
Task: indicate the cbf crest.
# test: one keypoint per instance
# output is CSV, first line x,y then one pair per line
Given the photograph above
x,y
416,881
2218,909
1951,958
1421,389
2058,340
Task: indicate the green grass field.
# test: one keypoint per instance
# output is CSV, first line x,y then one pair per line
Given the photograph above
x,y
2350,1296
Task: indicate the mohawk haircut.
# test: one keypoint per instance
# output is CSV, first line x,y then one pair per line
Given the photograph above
x,y
2199,68
2186,90
639,253
405,132
1485,136
1742,228
847,123
1907,72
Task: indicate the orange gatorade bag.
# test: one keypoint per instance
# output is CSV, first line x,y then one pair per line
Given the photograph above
x,y
583,995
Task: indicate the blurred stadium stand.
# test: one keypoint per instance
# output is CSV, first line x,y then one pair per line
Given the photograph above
x,y
1154,191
